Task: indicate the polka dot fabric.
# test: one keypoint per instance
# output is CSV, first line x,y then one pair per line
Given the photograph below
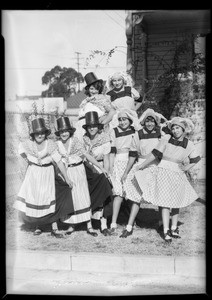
x,y
164,187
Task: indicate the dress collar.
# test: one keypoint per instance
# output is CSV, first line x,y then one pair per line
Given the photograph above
x,y
182,143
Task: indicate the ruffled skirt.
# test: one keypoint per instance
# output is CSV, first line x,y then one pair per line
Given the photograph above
x,y
166,185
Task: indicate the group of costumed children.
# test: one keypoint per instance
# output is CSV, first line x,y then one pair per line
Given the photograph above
x,y
108,156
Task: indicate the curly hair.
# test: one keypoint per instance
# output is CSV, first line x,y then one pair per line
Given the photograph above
x,y
98,85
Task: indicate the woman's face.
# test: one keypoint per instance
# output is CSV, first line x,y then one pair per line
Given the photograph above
x,y
117,82
177,131
92,129
124,122
149,123
40,137
93,91
64,135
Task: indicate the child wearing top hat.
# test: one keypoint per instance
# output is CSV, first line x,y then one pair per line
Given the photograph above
x,y
97,144
166,185
72,154
37,196
95,101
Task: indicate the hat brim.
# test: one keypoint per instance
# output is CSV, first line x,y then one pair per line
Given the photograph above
x,y
101,126
72,130
87,86
47,132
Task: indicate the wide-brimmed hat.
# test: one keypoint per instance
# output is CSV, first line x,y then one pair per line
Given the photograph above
x,y
92,118
151,113
91,78
185,123
63,123
38,125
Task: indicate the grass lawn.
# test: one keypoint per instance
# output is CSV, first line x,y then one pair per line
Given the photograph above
x,y
144,240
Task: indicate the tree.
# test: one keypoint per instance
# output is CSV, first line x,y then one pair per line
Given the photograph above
x,y
60,81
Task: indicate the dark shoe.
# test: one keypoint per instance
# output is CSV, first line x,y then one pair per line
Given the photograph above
x,y
160,228
105,232
112,231
92,233
69,232
168,237
37,231
126,233
56,234
175,233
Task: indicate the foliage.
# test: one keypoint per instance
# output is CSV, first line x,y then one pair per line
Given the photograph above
x,y
60,81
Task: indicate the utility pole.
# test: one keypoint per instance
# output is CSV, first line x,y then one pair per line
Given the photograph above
x,y
78,63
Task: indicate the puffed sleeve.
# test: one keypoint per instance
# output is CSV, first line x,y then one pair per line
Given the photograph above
x,y
79,147
135,94
159,149
193,156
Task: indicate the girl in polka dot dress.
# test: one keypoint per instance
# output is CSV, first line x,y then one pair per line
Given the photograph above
x,y
166,185
121,138
144,141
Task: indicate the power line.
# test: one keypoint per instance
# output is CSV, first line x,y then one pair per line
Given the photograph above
x,y
114,20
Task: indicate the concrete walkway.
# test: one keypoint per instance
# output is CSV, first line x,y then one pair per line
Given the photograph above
x,y
50,272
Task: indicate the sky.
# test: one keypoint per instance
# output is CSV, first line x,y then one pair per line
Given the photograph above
x,y
38,40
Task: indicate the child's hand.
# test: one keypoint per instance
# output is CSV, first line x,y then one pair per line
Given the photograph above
x,y
69,182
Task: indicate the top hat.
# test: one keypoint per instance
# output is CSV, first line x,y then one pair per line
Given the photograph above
x,y
63,123
92,118
38,125
90,78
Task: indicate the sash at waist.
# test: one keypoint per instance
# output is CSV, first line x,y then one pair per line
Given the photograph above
x,y
44,165
74,165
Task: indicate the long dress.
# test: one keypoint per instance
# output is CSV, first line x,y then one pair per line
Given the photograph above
x,y
99,186
99,103
142,145
166,185
71,157
44,197
123,99
120,145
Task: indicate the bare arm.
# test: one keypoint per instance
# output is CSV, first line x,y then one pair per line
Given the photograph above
x,y
95,162
64,172
108,117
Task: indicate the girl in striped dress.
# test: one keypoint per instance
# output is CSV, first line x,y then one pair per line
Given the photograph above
x,y
144,141
37,198
73,152
167,185
121,137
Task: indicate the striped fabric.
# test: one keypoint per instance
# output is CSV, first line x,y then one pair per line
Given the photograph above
x,y
80,194
36,197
